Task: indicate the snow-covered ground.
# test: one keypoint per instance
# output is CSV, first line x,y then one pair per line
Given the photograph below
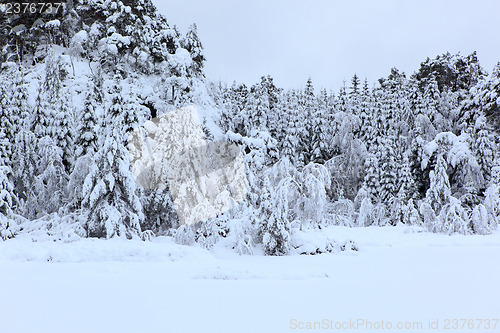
x,y
399,275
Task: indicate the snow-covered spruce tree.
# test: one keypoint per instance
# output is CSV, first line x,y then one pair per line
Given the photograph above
x,y
480,222
311,197
291,135
114,116
431,98
19,102
450,217
492,197
9,119
109,191
280,121
178,79
87,141
6,202
53,114
453,218
439,192
372,178
485,148
159,211
319,138
224,100
275,225
63,129
411,215
258,107
397,207
311,134
132,112
406,184
365,212
388,169
49,182
24,161
7,195
366,131
41,116
192,43
87,132
488,97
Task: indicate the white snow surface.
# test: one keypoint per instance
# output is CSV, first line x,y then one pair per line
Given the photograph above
x,y
398,274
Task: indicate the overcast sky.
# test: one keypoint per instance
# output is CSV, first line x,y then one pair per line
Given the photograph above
x,y
331,40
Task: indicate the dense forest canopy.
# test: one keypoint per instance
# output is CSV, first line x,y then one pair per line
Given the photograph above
x,y
419,149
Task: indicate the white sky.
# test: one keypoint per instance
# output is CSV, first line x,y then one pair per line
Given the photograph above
x,y
331,40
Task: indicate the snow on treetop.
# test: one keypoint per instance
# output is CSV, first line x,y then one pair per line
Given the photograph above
x,y
53,24
181,57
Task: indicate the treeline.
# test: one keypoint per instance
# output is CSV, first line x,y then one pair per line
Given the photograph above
x,y
419,150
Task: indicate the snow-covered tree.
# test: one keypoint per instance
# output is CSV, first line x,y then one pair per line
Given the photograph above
x,y
480,221
7,195
492,197
63,129
109,193
365,212
485,148
87,133
372,178
439,192
192,43
276,227
406,184
388,169
453,218
49,182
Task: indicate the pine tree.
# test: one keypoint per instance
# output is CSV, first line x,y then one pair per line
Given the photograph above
x,y
439,192
480,221
410,214
193,44
388,169
7,198
488,97
454,219
49,182
290,136
159,211
431,98
8,121
109,193
485,149
406,184
355,82
276,228
40,119
24,158
372,178
63,130
116,120
239,99
415,159
132,112
366,111
87,133
258,107
492,196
